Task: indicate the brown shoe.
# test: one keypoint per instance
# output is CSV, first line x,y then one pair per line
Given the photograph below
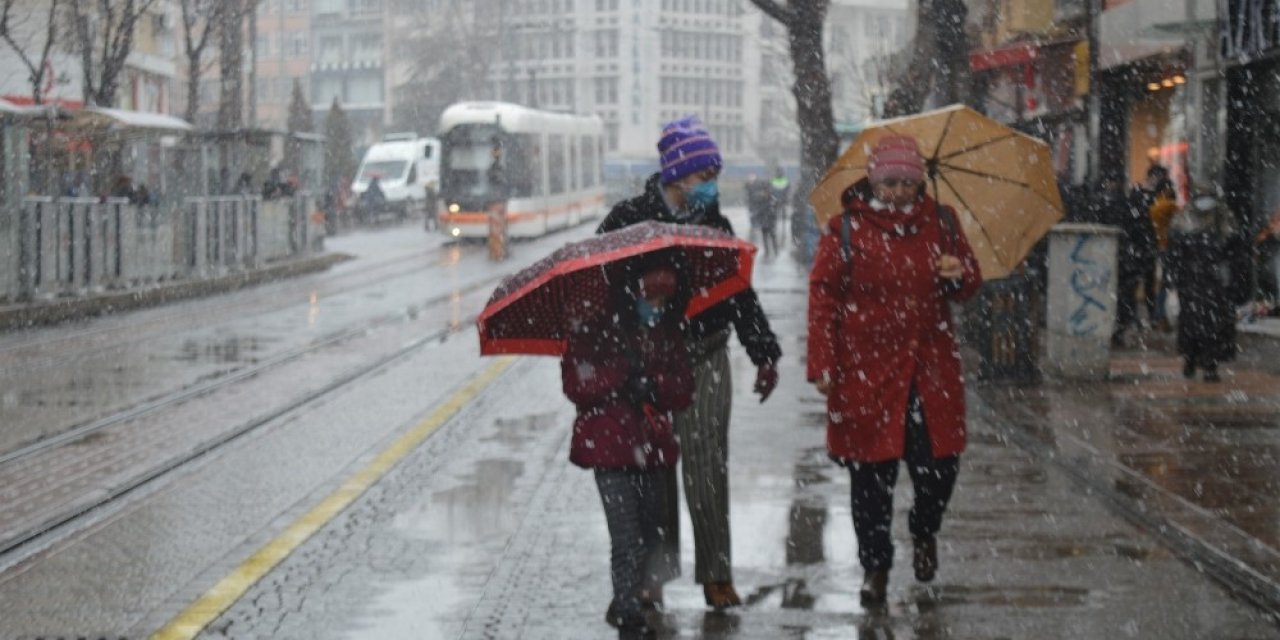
x,y
651,597
925,561
721,595
875,586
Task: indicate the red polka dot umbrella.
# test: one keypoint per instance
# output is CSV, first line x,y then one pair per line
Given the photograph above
x,y
529,312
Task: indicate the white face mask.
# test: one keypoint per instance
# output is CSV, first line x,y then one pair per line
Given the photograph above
x,y
1205,203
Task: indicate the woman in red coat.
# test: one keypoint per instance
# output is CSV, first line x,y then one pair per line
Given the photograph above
x,y
882,350
626,372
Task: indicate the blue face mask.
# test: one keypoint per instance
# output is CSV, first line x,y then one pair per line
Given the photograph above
x,y
649,314
703,195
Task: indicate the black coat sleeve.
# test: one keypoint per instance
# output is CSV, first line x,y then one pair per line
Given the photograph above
x,y
753,328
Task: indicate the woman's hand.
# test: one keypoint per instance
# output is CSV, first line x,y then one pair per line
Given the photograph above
x,y
949,267
823,385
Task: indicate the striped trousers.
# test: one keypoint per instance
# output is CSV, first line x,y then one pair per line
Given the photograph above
x,y
703,430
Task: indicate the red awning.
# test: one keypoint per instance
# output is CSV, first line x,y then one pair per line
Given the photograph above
x,y
1016,54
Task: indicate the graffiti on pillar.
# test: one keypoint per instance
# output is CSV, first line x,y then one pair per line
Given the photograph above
x,y
1090,282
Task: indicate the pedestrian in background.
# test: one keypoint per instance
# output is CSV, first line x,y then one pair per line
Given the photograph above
x,y
882,350
1204,258
1136,256
625,371
1267,243
757,192
779,193
1163,207
685,192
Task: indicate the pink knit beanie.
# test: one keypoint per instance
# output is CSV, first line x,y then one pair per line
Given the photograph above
x,y
895,157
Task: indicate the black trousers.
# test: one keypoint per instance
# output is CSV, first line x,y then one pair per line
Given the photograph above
x,y
632,500
1127,299
932,478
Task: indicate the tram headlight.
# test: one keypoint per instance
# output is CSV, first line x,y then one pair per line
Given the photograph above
x,y
454,208
456,231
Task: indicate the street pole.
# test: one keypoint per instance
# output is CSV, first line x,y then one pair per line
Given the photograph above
x,y
253,63
1094,9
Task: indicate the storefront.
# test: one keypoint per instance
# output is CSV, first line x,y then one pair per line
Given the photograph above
x,y
1250,40
1036,87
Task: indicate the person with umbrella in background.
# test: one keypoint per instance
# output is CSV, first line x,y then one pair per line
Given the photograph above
x,y
626,370
882,350
685,192
1206,252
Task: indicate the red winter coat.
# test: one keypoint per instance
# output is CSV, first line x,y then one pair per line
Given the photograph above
x,y
612,431
879,323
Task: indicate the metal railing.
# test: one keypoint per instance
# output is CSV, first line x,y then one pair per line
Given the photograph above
x,y
61,247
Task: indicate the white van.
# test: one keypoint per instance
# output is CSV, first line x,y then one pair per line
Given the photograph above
x,y
408,172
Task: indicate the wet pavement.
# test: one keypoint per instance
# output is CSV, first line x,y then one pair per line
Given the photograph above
x,y
1193,461
486,531
492,545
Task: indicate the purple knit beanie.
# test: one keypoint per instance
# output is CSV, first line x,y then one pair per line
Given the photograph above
x,y
686,148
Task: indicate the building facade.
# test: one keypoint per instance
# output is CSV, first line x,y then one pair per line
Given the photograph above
x,y
348,63
282,51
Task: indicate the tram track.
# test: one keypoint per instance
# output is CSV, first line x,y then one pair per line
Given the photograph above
x,y
150,405
54,482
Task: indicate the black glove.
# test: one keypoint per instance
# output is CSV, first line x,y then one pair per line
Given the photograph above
x,y
766,380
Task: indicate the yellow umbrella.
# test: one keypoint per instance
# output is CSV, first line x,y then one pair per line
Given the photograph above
x,y
999,181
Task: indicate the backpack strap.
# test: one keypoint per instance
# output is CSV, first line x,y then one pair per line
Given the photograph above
x,y
948,221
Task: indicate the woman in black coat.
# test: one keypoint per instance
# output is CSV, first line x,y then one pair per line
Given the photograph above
x,y
1203,248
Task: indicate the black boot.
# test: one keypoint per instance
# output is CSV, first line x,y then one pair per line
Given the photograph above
x,y
1211,373
925,561
1188,368
875,587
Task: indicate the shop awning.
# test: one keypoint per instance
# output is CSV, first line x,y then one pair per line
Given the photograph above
x,y
121,119
1008,56
1014,54
10,109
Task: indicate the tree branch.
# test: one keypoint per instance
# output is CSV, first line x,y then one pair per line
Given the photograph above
x,y
776,11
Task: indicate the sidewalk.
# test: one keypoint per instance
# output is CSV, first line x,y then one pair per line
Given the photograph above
x,y
43,312
1193,462
1025,552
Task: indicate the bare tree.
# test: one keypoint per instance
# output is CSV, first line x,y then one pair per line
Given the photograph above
x,y
803,20
939,61
231,62
200,18
451,55
104,32
37,64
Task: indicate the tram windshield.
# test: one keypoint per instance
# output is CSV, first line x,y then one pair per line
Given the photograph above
x,y
483,164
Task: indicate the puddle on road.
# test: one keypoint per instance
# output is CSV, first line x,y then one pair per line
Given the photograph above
x,y
512,432
469,513
221,350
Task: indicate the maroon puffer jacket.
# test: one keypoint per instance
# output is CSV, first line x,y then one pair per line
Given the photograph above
x,y
612,431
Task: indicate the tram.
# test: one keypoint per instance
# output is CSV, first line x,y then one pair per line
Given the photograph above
x,y
546,167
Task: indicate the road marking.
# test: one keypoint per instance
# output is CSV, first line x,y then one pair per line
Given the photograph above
x,y
192,620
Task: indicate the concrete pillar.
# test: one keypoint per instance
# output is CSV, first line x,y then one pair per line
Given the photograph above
x,y
199,209
47,240
1082,300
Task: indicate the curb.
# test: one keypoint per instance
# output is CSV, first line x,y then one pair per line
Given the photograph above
x,y
34,314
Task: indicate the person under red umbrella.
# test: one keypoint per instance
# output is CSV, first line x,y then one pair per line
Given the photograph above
x,y
882,350
685,192
626,370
